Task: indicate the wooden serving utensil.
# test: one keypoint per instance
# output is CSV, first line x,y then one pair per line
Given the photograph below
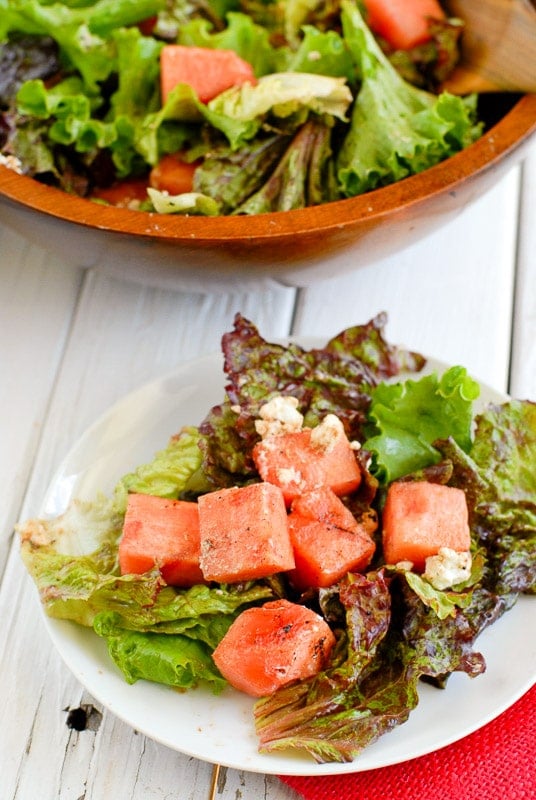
x,y
498,46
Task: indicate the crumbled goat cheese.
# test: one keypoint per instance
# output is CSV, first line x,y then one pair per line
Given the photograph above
x,y
448,568
11,162
289,476
327,432
279,415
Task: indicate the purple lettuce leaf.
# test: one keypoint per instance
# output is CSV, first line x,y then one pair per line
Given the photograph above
x,y
498,477
337,378
336,714
443,646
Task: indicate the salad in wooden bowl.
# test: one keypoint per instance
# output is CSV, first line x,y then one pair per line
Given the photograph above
x,y
240,139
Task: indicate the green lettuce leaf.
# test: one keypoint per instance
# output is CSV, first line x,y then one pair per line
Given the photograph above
x,y
138,68
445,602
396,130
170,471
250,41
282,94
203,613
408,417
287,97
82,33
186,203
171,660
70,109
180,112
65,100
73,109
72,559
320,52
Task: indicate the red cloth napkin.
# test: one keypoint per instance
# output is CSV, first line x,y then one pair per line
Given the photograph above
x,y
497,762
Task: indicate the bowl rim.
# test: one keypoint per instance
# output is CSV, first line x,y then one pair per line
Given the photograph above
x,y
511,132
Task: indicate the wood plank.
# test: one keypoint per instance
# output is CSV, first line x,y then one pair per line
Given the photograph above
x,y
425,290
122,335
523,375
36,303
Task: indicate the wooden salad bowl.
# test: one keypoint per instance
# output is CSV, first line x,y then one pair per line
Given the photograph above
x,y
291,248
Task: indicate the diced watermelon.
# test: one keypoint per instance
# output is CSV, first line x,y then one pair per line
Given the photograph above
x,y
403,23
298,461
273,645
124,194
421,517
328,542
208,71
162,533
244,533
173,175
323,505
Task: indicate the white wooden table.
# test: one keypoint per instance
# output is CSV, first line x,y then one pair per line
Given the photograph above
x,y
72,342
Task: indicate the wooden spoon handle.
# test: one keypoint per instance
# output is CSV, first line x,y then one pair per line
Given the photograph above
x,y
498,46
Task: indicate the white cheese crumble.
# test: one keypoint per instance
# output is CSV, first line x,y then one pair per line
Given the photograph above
x,y
279,415
327,433
447,568
289,476
11,162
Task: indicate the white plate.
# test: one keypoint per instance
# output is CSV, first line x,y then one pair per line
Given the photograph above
x,y
220,729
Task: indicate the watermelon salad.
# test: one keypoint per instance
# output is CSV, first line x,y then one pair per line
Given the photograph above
x,y
339,528
225,107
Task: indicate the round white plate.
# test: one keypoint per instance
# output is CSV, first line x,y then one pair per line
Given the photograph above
x,y
220,729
